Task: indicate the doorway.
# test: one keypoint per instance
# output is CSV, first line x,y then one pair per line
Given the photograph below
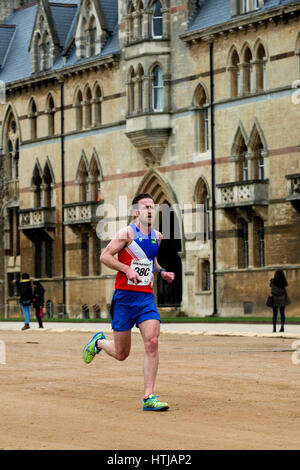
x,y
169,295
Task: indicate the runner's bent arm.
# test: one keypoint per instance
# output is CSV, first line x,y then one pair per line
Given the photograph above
x,y
167,276
121,239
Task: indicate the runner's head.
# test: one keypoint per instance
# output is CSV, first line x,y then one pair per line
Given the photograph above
x,y
143,208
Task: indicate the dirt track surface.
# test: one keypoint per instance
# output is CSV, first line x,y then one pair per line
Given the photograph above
x,y
223,392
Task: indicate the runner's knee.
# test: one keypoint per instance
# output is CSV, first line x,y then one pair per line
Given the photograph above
x,y
151,345
122,355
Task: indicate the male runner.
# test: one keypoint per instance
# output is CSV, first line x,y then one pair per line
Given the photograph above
x,y
133,300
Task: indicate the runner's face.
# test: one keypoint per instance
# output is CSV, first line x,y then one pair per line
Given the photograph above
x,y
145,211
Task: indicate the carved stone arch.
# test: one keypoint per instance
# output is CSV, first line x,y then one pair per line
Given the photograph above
x,y
131,73
257,151
256,136
130,7
201,187
32,106
163,193
240,139
140,5
75,96
33,117
164,3
246,47
82,165
259,43
37,38
9,112
45,35
87,92
83,24
232,51
297,44
48,184
96,161
98,86
200,89
202,198
49,166
37,171
153,66
92,19
140,70
48,106
95,177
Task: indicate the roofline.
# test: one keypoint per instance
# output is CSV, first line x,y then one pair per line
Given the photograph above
x,y
240,21
26,6
8,26
58,74
71,5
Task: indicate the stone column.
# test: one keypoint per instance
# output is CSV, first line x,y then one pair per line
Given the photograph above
x,y
166,23
147,24
243,70
147,94
136,90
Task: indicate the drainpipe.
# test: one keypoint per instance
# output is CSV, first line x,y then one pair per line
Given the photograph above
x,y
63,246
213,180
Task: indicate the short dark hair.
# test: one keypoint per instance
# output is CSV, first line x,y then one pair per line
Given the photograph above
x,y
25,276
137,198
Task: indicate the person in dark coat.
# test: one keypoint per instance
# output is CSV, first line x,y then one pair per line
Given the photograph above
x,y
38,301
25,292
279,297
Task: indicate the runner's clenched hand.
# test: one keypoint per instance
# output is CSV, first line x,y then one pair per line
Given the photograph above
x,y
167,276
132,275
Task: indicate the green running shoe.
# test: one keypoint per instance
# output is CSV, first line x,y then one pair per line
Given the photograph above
x,y
90,350
152,404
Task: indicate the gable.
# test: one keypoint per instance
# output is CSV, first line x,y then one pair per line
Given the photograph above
x,y
44,23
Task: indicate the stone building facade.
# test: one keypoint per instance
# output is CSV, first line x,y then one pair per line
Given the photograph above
x,y
193,101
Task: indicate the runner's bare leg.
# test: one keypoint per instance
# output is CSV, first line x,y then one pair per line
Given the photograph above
x,y
150,332
119,347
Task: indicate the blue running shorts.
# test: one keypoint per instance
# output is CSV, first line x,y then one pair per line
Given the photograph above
x,y
129,308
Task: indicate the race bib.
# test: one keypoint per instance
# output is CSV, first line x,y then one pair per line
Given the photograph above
x,y
144,270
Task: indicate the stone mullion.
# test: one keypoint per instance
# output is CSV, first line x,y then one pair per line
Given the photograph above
x,y
147,99
243,69
136,90
166,22
135,26
129,28
130,97
166,92
148,24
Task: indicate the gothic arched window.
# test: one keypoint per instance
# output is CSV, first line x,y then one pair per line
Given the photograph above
x,y
157,20
157,89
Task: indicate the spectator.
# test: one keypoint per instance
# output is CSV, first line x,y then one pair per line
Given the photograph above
x,y
38,301
279,297
25,292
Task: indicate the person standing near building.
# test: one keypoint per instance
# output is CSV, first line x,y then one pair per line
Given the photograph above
x,y
25,292
38,301
133,301
279,297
